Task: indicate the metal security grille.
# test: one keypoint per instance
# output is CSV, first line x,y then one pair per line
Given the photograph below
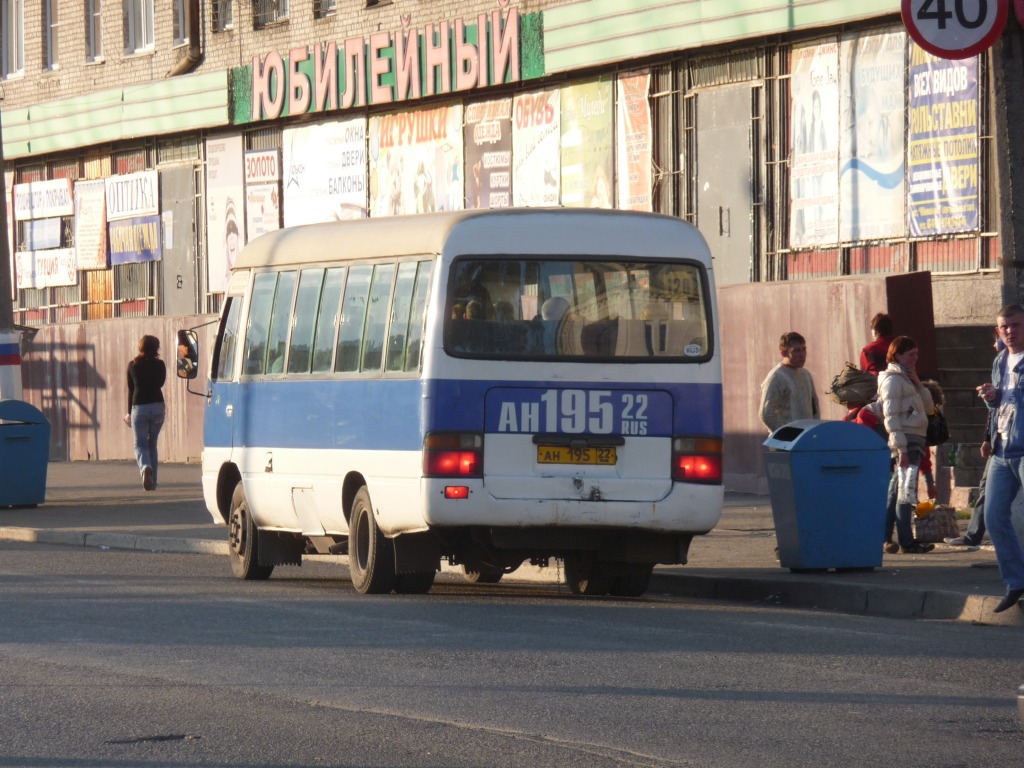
x,y
266,12
223,16
178,150
134,290
322,8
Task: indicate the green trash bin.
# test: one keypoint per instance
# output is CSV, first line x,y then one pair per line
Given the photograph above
x,y
828,482
24,454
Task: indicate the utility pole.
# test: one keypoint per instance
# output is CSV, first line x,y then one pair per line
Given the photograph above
x,y
6,305
10,337
1008,101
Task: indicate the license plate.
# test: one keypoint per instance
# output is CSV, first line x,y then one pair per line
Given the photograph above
x,y
564,454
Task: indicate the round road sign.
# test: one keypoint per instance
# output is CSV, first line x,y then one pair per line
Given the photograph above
x,y
955,29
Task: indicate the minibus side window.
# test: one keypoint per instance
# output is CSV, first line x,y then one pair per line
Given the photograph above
x,y
227,342
377,318
400,309
327,320
417,317
353,314
304,321
260,305
280,322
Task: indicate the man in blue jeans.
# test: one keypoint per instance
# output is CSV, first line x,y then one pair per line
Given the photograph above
x,y
1006,467
976,528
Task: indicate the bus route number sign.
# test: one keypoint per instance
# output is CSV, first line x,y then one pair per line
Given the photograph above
x,y
955,29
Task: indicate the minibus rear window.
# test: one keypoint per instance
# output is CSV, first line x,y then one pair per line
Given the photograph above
x,y
508,308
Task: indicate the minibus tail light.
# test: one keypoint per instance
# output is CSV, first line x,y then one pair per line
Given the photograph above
x,y
697,460
453,454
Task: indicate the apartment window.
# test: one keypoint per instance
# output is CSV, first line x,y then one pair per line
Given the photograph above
x,y
93,30
324,8
12,42
49,34
179,25
268,11
138,26
223,15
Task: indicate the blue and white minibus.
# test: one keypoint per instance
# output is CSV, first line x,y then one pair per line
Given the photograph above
x,y
486,388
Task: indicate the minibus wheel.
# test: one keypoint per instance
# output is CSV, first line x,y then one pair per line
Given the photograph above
x,y
586,575
414,583
631,579
242,540
371,556
478,572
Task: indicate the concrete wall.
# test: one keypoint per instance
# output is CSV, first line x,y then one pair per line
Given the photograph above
x,y
833,315
76,374
963,299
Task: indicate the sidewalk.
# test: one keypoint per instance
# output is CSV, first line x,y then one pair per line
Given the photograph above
x,y
101,504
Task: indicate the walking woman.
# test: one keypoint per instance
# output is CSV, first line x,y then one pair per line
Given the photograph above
x,y
906,404
146,410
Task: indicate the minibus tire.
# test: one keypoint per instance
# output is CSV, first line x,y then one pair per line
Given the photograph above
x,y
482,573
586,575
371,556
414,583
243,549
631,579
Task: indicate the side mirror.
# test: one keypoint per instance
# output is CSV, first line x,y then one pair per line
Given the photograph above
x,y
188,355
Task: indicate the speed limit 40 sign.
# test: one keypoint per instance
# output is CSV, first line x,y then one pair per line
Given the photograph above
x,y
955,29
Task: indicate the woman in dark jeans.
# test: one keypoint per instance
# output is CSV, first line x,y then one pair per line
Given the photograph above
x,y
146,409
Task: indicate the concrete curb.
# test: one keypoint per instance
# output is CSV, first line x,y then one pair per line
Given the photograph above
x,y
130,541
836,595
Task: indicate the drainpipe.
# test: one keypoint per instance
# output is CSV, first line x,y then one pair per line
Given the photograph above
x,y
195,50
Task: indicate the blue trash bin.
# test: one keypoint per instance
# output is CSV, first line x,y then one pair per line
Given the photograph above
x,y
827,481
24,454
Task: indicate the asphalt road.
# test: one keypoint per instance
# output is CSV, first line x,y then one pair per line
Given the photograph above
x,y
120,658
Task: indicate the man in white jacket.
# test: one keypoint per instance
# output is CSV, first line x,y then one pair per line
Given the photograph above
x,y
787,392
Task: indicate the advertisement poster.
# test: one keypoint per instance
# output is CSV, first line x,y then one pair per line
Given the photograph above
x,y
942,145
41,234
871,170
262,192
45,269
489,154
224,215
132,194
324,167
814,154
587,129
135,240
43,199
536,119
90,224
633,138
416,161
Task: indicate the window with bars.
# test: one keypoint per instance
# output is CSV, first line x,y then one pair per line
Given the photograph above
x,y
324,8
179,24
12,38
93,30
223,16
138,26
50,24
266,12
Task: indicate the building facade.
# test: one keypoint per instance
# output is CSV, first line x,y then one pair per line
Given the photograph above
x,y
145,143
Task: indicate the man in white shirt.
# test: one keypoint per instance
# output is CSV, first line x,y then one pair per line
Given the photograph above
x,y
787,392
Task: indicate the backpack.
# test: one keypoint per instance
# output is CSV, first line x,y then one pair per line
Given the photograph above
x,y
852,386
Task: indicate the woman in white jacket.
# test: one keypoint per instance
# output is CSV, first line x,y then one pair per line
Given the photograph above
x,y
906,404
